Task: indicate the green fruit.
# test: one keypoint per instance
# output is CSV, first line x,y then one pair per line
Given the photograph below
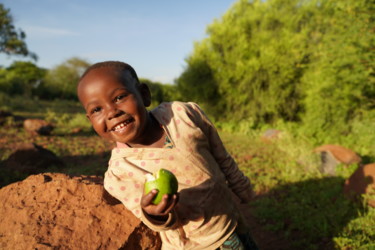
x,y
164,181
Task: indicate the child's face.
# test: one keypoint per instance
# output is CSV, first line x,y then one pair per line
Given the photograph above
x,y
115,104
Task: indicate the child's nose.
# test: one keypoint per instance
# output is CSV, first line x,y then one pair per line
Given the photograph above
x,y
114,112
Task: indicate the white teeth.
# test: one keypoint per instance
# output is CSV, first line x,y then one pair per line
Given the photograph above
x,y
121,125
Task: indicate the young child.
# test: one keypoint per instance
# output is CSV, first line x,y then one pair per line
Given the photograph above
x,y
176,136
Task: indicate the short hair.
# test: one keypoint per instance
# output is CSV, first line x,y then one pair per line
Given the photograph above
x,y
116,65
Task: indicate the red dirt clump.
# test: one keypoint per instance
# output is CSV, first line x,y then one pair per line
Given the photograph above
x,y
57,211
38,127
342,154
362,181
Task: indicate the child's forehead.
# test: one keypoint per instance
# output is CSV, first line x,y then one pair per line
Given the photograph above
x,y
108,73
104,79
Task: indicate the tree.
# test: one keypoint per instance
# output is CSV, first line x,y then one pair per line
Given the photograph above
x,y
340,82
12,41
249,62
197,83
307,61
61,81
21,78
160,92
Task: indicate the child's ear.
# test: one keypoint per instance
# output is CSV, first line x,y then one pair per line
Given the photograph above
x,y
146,94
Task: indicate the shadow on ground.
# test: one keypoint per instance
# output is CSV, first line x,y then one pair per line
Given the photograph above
x,y
302,215
95,164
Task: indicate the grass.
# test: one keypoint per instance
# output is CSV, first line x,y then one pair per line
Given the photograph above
x,y
305,208
294,200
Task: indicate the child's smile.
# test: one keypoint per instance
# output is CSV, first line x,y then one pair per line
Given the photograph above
x,y
122,126
115,104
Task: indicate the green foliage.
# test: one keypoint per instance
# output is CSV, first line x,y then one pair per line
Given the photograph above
x,y
161,92
309,62
4,100
359,233
22,78
25,78
62,80
37,108
340,82
254,57
67,122
197,83
12,41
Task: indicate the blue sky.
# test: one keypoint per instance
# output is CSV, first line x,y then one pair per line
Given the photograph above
x,y
153,36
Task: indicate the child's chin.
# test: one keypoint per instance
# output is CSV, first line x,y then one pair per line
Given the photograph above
x,y
122,139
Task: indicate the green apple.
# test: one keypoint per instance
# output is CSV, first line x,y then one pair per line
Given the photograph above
x,y
164,181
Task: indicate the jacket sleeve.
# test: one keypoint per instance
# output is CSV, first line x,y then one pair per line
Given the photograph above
x,y
158,226
237,181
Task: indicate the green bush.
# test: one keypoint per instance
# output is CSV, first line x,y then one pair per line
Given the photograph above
x,y
67,122
308,62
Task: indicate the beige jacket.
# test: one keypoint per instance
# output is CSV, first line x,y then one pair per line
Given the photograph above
x,y
206,214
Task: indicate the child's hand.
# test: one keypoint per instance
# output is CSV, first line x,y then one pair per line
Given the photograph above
x,y
161,210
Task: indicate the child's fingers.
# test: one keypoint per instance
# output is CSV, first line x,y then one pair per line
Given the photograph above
x,y
167,204
173,203
160,208
147,198
163,208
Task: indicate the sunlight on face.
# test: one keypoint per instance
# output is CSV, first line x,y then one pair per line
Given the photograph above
x,y
114,104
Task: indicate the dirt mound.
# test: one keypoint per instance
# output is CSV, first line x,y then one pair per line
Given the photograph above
x,y
55,211
362,181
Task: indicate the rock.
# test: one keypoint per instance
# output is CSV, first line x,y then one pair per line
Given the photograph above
x,y
55,211
362,181
329,163
38,126
331,155
30,158
76,130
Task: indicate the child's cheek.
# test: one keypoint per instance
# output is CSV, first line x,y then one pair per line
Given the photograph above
x,y
97,124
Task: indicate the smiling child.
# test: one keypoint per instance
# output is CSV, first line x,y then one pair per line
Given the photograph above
x,y
176,136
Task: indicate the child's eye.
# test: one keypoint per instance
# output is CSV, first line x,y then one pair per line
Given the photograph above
x,y
120,97
95,110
